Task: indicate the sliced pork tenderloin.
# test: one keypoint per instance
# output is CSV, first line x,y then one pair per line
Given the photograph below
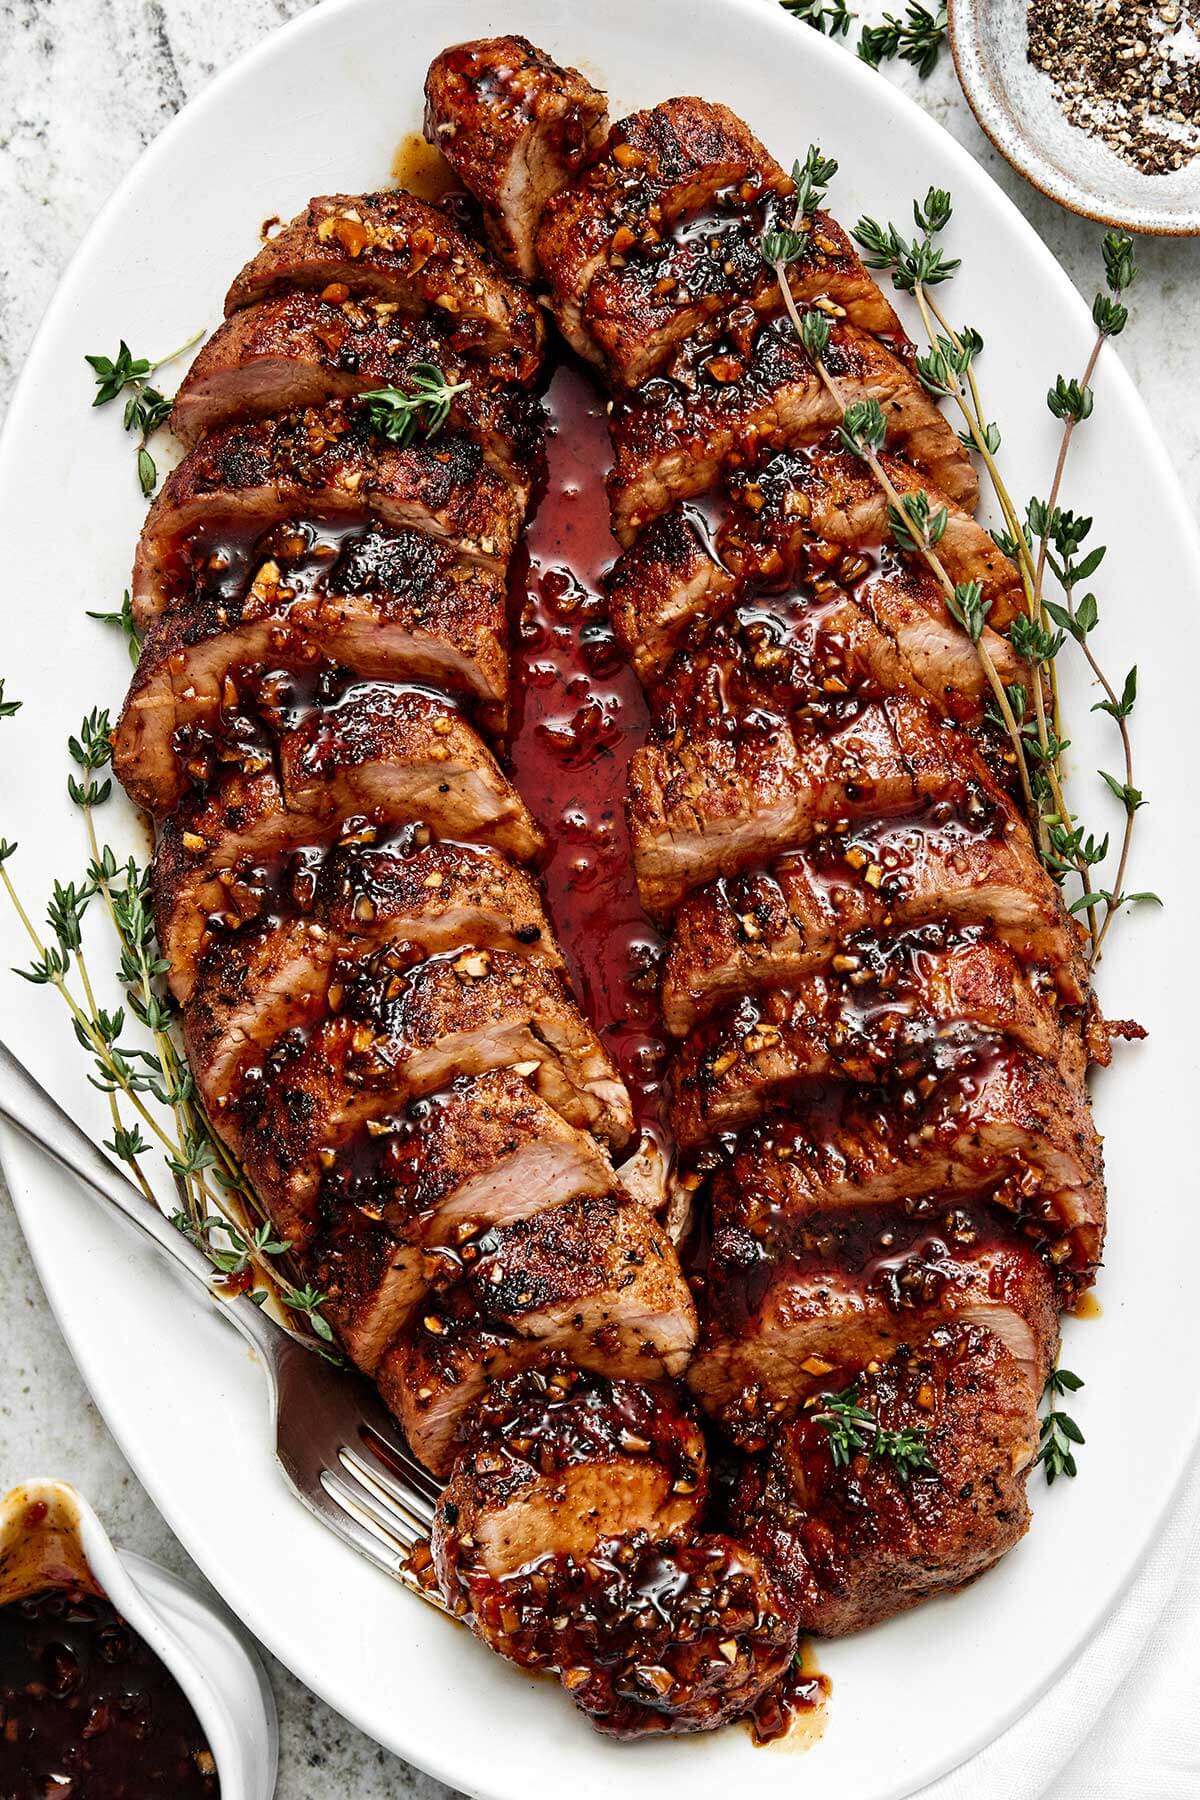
x,y
391,604
401,753
1009,1131
406,1203
717,806
327,463
515,127
854,1541
971,865
282,973
911,1009
726,398
300,350
596,1282
390,246
397,1034
778,1328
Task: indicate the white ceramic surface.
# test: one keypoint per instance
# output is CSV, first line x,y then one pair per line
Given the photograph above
x,y
206,1653
322,107
1017,107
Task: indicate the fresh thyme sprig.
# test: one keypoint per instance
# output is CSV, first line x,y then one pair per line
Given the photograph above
x,y
810,179
948,369
145,408
854,1430
398,416
220,1210
125,623
916,38
1059,1432
831,16
862,430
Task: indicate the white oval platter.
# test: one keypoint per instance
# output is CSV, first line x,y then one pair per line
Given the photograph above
x,y
321,107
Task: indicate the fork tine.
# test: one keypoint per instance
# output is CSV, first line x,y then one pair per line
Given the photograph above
x,y
360,1524
373,1505
363,1536
396,1533
395,1456
391,1494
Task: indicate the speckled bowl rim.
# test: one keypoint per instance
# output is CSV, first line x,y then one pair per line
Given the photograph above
x,y
997,123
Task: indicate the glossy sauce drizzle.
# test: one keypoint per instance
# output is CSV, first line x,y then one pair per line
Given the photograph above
x,y
578,716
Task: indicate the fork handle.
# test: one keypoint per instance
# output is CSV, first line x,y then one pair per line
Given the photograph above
x,y
25,1103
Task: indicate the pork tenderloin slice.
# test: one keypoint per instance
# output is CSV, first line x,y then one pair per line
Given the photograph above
x,y
1010,1130
788,499
280,974
776,1332
722,401
572,1501
644,301
393,247
244,478
800,655
555,1459
300,350
395,605
414,1193
853,1543
655,166
515,127
969,864
663,590
717,806
398,1034
595,1281
784,516
909,1009
388,751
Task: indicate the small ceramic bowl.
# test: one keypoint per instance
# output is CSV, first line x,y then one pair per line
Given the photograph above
x,y
50,1537
1015,105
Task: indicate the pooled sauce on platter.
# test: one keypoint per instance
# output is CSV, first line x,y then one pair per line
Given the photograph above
x,y
87,1708
578,716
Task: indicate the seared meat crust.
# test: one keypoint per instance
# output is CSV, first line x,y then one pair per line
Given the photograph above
x,y
909,1010
516,127
596,1282
722,402
786,521
555,1459
717,806
1010,1129
300,350
405,754
972,866
327,461
398,1034
655,166
399,1210
280,974
393,247
394,605
851,1544
776,1330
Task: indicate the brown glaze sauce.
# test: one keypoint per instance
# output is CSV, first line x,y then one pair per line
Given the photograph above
x,y
421,168
578,716
88,1709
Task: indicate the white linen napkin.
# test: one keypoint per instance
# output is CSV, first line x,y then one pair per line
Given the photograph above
x,y
1123,1723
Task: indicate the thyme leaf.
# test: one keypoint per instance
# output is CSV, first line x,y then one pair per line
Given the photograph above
x,y
1059,1434
853,1430
398,416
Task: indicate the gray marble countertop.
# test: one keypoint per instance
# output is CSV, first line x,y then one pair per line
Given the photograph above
x,y
86,85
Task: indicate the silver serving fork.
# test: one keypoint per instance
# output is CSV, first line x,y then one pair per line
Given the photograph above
x,y
339,1448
